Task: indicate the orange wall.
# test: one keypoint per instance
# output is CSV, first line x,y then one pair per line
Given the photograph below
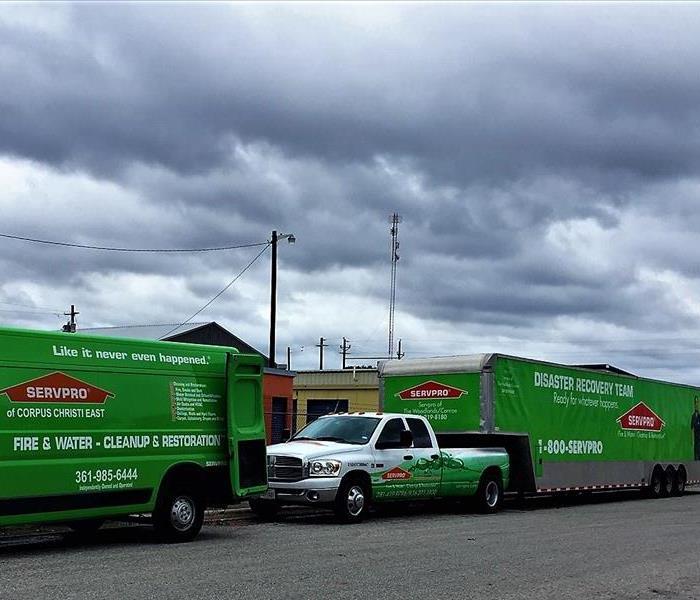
x,y
278,386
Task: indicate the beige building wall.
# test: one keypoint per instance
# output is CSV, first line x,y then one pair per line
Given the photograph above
x,y
360,387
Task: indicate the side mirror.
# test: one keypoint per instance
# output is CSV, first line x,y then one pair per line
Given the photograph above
x,y
406,438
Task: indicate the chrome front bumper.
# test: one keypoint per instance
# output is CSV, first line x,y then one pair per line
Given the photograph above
x,y
319,490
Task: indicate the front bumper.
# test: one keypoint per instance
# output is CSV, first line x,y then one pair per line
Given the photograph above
x,y
311,491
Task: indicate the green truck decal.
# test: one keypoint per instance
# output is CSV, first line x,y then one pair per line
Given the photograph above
x,y
575,415
449,401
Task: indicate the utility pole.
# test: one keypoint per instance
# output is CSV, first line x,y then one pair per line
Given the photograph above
x,y
394,219
400,354
71,326
289,358
271,361
320,347
344,350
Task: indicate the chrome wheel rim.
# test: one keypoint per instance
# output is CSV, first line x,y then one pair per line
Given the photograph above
x,y
492,493
355,500
182,513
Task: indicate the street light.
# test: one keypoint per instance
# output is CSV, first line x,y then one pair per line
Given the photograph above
x,y
271,361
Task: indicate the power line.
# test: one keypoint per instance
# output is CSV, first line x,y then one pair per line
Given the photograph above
x,y
535,340
30,312
45,308
228,285
116,249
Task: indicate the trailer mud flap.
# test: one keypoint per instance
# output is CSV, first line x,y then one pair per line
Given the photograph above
x,y
245,425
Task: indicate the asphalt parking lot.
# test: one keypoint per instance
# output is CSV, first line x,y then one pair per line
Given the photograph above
x,y
610,546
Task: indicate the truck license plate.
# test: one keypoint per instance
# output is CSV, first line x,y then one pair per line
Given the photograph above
x,y
268,495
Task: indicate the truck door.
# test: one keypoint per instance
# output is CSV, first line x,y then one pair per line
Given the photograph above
x,y
245,425
427,464
395,475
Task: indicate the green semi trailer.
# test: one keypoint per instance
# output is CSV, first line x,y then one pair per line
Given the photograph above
x,y
96,428
565,428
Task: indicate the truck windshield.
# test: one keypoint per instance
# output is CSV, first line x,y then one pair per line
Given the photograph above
x,y
348,430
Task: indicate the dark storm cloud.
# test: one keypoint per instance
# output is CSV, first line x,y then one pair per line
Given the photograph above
x,y
171,85
544,159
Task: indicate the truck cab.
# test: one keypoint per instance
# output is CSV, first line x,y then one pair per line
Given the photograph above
x,y
345,461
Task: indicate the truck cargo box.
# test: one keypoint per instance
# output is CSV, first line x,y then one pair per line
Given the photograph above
x,y
92,428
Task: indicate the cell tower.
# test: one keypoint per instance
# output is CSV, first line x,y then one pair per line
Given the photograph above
x,y
394,219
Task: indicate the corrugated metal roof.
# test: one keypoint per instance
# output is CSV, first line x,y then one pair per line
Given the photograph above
x,y
470,363
144,332
340,379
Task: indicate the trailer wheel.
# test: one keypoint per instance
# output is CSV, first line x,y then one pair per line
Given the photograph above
x,y
179,514
489,494
671,482
657,483
681,479
265,510
352,500
668,482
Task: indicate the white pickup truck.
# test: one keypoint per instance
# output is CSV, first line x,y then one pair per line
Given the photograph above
x,y
347,461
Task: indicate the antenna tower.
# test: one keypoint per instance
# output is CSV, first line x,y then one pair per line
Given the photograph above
x,y
394,219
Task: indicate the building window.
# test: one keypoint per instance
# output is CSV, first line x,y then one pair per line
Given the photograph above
x,y
318,408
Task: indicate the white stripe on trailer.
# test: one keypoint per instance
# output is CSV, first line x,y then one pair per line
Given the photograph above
x,y
583,488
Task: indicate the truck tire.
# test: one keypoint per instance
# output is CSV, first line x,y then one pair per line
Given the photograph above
x,y
489,494
86,527
352,500
264,510
671,482
657,483
179,514
681,479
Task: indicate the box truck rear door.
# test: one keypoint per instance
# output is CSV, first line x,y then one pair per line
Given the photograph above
x,y
245,425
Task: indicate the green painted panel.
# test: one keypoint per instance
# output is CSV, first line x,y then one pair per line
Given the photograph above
x,y
579,415
449,401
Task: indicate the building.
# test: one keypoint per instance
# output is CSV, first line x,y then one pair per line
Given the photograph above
x,y
318,393
277,382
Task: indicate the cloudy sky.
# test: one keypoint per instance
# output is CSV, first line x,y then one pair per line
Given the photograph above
x,y
544,159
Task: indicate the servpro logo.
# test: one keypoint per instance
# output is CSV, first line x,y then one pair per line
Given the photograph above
x,y
430,390
56,387
641,418
396,473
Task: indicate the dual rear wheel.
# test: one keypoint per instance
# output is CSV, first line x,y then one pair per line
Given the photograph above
x,y
667,482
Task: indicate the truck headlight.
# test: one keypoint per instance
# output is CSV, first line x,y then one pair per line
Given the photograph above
x,y
324,468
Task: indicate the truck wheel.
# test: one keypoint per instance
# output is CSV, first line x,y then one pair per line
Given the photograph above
x,y
265,510
489,494
351,501
86,527
671,482
657,483
669,474
680,481
178,515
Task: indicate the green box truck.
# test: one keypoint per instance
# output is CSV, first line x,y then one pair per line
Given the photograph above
x,y
95,428
565,428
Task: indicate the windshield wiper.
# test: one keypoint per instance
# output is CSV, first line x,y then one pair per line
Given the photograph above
x,y
331,438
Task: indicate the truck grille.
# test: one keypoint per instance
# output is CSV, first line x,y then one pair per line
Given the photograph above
x,y
284,468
